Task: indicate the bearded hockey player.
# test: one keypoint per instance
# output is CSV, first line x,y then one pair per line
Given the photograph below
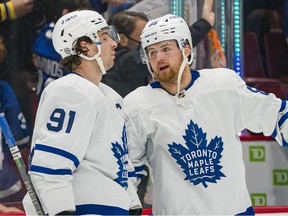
x,y
185,125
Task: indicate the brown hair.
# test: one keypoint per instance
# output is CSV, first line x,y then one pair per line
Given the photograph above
x,y
73,62
125,21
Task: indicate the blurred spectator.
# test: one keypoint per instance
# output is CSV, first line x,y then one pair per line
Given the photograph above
x,y
128,72
18,33
286,20
15,9
101,6
45,57
11,188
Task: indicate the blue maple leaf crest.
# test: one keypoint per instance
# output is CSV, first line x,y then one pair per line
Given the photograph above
x,y
121,153
200,162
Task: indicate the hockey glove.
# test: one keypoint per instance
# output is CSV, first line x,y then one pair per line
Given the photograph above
x,y
137,211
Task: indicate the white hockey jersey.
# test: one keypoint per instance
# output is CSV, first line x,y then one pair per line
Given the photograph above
x,y
192,144
79,157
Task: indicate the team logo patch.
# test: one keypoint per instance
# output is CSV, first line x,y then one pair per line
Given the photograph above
x,y
200,162
121,153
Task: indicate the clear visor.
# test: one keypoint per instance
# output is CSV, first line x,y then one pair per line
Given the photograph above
x,y
112,32
148,54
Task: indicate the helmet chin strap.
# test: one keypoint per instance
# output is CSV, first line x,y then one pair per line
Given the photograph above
x,y
181,70
97,58
151,72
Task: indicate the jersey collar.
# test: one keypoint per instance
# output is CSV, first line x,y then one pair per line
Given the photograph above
x,y
195,75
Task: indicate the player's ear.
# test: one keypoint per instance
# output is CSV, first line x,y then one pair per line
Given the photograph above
x,y
123,40
85,48
187,50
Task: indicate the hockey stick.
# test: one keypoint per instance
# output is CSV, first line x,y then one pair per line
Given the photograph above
x,y
20,164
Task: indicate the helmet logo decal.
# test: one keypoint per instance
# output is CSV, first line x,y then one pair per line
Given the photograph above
x,y
149,35
67,50
200,162
153,23
69,18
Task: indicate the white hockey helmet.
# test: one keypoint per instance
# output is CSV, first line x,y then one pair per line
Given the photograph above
x,y
167,27
76,24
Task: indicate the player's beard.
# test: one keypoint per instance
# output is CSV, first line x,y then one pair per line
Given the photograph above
x,y
169,76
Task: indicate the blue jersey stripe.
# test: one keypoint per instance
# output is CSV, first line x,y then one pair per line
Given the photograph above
x,y
49,171
139,168
95,209
283,105
284,143
131,174
249,211
282,119
57,151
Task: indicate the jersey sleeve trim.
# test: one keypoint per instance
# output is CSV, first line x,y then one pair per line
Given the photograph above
x,y
140,171
49,171
57,151
283,106
97,209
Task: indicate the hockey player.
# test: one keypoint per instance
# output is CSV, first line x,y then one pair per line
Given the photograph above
x,y
79,156
186,126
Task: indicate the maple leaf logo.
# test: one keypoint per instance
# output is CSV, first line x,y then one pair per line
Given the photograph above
x,y
200,162
121,153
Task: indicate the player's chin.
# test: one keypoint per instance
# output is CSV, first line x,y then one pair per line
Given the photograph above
x,y
109,65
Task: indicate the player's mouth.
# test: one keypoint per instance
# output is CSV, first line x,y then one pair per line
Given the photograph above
x,y
163,68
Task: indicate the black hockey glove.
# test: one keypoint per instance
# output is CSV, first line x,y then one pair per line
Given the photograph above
x,y
137,211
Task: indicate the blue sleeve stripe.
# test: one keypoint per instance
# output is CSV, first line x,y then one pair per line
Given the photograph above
x,y
284,143
139,168
140,176
131,174
281,122
96,209
57,151
49,171
283,105
249,211
274,134
283,119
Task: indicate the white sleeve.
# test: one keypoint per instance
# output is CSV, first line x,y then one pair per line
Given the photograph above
x,y
280,132
62,132
132,187
262,112
137,140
